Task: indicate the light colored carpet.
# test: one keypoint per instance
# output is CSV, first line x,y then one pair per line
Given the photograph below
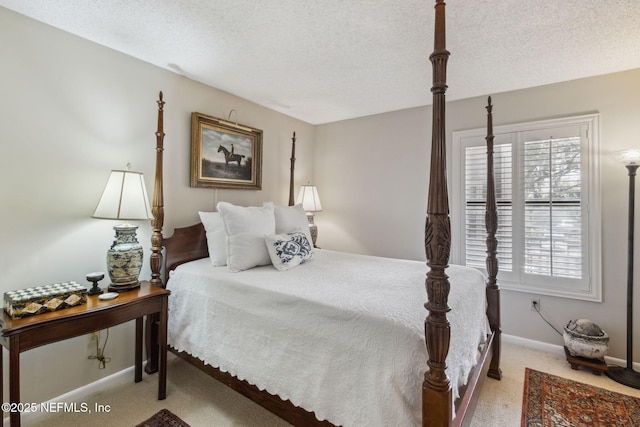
x,y
202,401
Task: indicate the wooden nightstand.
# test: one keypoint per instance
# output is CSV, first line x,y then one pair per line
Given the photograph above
x,y
20,335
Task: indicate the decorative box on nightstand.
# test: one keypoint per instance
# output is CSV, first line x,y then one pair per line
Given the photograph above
x,y
42,299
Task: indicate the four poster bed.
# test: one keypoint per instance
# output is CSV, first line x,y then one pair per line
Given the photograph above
x,y
235,326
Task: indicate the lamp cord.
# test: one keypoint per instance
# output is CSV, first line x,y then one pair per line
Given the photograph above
x,y
537,309
100,351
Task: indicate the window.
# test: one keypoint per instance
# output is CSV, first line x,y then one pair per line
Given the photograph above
x,y
547,192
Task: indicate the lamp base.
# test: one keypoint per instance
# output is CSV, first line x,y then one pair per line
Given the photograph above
x,y
124,259
123,288
626,376
313,228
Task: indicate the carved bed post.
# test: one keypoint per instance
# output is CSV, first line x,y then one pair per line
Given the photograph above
x,y
158,202
293,162
491,221
157,209
437,401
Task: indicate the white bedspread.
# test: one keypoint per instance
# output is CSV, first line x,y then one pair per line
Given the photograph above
x,y
341,335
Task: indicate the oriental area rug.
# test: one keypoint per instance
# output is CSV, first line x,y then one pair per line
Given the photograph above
x,y
551,401
163,418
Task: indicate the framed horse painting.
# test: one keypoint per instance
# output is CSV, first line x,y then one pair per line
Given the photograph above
x,y
225,154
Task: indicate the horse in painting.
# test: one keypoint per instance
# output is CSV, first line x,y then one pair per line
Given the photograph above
x,y
229,156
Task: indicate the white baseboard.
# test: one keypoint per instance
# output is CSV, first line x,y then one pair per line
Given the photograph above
x,y
558,349
538,345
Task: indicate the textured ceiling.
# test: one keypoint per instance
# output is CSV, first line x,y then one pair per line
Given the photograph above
x,y
327,60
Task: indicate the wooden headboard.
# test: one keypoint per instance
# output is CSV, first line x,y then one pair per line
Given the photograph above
x,y
186,244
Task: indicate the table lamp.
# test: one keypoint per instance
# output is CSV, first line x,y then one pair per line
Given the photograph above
x,y
308,197
124,198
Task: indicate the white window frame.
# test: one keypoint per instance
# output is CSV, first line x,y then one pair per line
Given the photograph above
x,y
590,287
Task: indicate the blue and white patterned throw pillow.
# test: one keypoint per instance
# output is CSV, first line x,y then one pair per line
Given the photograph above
x,y
288,250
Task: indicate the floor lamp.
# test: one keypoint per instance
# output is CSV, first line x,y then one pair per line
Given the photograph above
x,y
626,375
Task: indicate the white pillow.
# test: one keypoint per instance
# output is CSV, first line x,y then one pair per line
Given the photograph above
x,y
216,237
245,251
251,219
256,222
290,219
288,250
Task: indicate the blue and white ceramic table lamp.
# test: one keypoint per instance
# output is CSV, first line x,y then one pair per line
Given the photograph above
x,y
124,198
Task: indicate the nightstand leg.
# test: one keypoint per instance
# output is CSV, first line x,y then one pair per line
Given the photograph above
x,y
138,361
151,339
162,377
14,380
2,379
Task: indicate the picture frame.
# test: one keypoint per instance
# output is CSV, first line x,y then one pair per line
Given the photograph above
x,y
225,154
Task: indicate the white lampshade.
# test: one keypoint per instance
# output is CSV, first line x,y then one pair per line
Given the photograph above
x,y
629,157
124,197
309,198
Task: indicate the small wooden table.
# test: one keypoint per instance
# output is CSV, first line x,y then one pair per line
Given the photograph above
x,y
20,335
597,366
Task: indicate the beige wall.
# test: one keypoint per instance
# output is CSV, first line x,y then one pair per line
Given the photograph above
x,y
71,111
371,173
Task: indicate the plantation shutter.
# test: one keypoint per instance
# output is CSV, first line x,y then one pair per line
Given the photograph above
x,y
552,206
547,193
